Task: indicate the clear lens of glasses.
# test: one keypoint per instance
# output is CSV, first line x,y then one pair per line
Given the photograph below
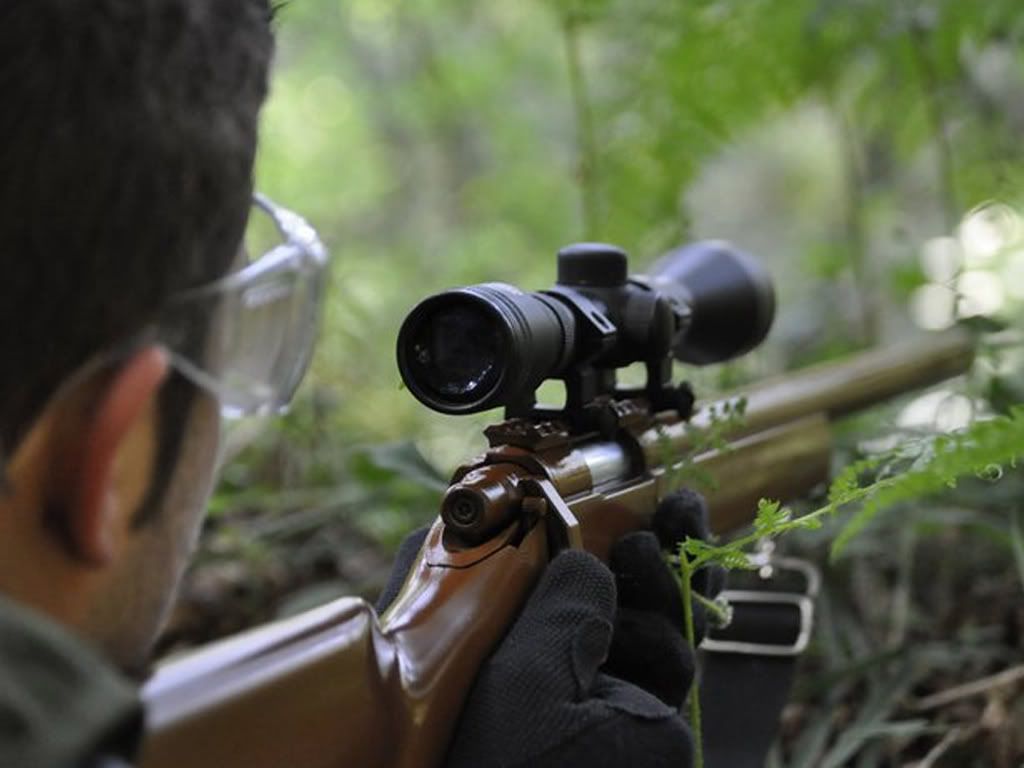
x,y
248,338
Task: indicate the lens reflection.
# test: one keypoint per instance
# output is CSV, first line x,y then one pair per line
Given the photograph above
x,y
458,352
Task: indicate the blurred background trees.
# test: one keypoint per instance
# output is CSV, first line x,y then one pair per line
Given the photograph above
x,y
871,152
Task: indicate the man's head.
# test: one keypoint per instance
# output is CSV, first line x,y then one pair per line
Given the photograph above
x,y
127,137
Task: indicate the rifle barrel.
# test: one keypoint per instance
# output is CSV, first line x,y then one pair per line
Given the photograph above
x,y
842,388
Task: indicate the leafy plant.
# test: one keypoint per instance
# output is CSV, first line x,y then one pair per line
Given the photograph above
x,y
723,419
913,470
931,464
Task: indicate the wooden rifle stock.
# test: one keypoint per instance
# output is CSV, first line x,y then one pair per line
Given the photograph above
x,y
337,686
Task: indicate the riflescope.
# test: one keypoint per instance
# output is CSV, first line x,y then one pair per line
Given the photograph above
x,y
471,349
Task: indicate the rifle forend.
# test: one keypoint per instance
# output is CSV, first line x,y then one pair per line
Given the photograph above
x,y
339,686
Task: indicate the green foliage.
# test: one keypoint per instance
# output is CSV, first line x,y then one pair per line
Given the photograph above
x,y
770,516
980,451
913,471
1017,541
723,420
440,142
686,571
572,12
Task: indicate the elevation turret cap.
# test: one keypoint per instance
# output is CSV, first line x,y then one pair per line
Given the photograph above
x,y
592,264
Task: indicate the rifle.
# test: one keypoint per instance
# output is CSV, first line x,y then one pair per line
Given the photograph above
x,y
340,686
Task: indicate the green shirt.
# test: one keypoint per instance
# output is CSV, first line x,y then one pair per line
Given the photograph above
x,y
61,703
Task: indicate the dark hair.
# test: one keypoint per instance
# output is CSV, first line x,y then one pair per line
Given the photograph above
x,y
127,137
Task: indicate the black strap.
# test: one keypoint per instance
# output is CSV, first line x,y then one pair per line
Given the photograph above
x,y
742,697
747,669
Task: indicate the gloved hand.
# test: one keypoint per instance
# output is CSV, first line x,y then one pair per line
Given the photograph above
x,y
649,646
544,699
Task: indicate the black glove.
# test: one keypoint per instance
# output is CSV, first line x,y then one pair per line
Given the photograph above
x,y
543,699
649,646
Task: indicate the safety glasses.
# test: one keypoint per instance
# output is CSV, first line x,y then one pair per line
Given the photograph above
x,y
248,338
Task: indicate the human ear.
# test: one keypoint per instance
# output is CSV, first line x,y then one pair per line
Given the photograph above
x,y
100,502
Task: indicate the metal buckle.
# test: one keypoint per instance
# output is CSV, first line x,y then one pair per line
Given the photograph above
x,y
768,566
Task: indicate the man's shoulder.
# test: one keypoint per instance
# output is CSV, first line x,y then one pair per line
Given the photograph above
x,y
61,703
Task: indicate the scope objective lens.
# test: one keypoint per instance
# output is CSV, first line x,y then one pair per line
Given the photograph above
x,y
479,347
457,352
